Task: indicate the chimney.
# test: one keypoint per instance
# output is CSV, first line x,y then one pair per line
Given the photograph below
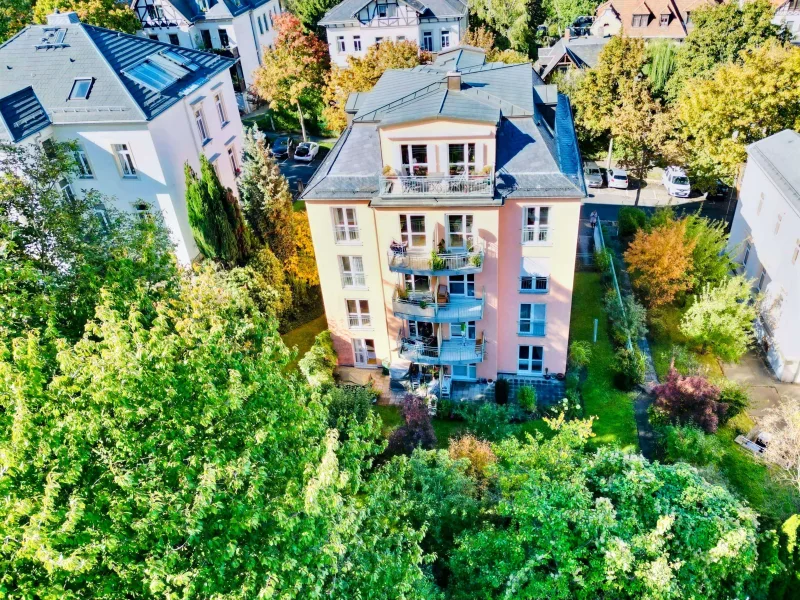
x,y
60,19
454,81
566,34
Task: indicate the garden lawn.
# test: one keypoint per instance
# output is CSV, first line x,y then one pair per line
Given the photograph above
x,y
665,333
613,408
303,338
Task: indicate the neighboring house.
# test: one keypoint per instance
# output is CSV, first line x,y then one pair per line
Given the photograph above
x,y
766,231
138,109
646,18
445,221
238,28
355,25
569,53
787,13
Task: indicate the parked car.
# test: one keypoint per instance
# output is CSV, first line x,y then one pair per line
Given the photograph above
x,y
721,191
592,175
618,178
282,146
677,182
306,151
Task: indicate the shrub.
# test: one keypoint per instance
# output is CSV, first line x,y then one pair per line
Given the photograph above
x,y
683,359
628,323
629,368
445,408
501,391
631,220
690,444
485,420
602,259
735,396
691,399
479,453
526,397
417,430
320,361
348,404
580,353
573,381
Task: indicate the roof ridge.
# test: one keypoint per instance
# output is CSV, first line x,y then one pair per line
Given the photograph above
x,y
402,99
476,92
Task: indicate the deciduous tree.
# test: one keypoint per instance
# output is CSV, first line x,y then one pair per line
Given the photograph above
x,y
711,260
416,430
659,261
111,14
14,15
482,37
293,72
361,75
691,399
783,424
720,318
515,20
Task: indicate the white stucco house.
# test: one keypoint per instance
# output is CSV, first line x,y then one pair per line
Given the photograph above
x,y
139,110
787,13
240,27
355,25
766,230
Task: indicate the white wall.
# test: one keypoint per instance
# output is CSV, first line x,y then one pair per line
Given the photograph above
x,y
789,19
773,252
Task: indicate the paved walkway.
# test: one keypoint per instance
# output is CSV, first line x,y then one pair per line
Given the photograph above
x,y
765,390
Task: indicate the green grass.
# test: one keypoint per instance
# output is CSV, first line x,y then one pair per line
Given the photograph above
x,y
665,333
613,408
303,338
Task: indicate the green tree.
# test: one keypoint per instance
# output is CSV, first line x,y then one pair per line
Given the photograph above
x,y
111,14
171,455
361,75
482,37
738,104
719,34
14,15
266,197
293,72
57,254
564,12
721,317
661,64
514,20
319,362
214,216
711,259
572,524
310,12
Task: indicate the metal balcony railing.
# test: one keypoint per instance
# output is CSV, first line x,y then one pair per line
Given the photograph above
x,y
437,185
425,308
344,234
448,352
542,234
354,280
356,321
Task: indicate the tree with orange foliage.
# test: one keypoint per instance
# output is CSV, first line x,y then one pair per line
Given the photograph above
x,y
293,72
659,262
479,453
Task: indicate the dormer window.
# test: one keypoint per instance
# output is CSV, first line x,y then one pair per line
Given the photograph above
x,y
665,20
81,88
415,159
383,10
640,20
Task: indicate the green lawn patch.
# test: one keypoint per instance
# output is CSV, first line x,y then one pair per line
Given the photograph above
x,y
303,338
615,423
665,333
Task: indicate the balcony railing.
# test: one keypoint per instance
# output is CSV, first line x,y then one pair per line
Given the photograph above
x,y
355,321
354,280
425,308
448,352
543,234
437,185
451,262
346,234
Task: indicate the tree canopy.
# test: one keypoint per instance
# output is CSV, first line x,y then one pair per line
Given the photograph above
x,y
14,15
111,14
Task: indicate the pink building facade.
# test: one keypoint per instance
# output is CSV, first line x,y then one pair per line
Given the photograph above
x,y
445,222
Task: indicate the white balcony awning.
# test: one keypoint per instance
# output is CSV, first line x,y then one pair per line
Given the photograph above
x,y
535,267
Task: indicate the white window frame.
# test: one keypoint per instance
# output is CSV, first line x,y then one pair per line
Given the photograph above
x,y
219,103
409,235
233,160
467,281
341,46
761,277
345,225
101,212
357,43
410,167
466,166
177,38
125,162
361,348
427,41
534,233
466,233
352,276
65,187
530,362
746,256
413,329
378,41
85,170
470,331
224,37
410,282
471,372
533,321
141,209
445,38
202,127
358,315
382,8
534,284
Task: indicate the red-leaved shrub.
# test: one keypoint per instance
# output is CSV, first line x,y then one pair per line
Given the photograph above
x,y
690,400
417,432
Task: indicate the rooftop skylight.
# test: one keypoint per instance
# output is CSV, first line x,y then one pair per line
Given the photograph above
x,y
161,70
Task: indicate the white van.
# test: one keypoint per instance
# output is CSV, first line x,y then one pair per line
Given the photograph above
x,y
676,182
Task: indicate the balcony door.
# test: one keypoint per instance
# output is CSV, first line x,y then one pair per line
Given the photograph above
x,y
463,331
420,330
364,351
462,286
414,159
412,232
460,234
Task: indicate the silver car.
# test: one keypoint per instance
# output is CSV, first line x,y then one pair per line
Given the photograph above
x,y
592,175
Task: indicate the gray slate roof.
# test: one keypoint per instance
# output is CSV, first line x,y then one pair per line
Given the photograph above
x,y
100,54
537,150
779,157
584,51
192,12
21,115
346,11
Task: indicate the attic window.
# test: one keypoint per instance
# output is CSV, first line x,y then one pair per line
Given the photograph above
x,y
80,89
52,37
161,70
640,20
664,20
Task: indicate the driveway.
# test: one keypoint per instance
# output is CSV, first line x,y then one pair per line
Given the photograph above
x,y
296,171
765,390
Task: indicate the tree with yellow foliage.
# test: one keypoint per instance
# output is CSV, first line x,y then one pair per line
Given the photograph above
x,y
110,14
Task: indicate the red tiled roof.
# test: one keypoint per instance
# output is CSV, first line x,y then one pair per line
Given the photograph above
x,y
676,9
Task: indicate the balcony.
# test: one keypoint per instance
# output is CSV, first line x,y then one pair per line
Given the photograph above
x,y
436,185
423,307
451,262
448,352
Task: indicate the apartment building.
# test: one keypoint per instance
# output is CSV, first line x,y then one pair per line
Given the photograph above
x,y
671,19
445,221
766,232
355,25
239,29
138,109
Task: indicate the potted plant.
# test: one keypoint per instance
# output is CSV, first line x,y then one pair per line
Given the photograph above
x,y
388,171
402,292
437,262
476,260
423,304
